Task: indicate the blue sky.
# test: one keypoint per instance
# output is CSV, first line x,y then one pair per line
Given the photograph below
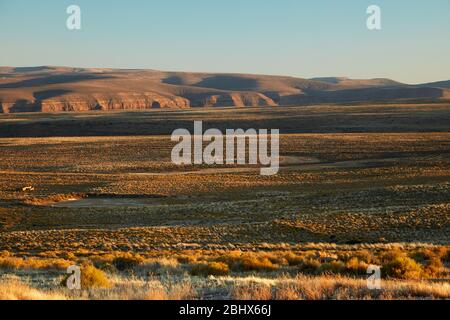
x,y
286,37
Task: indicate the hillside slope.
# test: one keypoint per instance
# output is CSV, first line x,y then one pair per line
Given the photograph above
x,y
55,89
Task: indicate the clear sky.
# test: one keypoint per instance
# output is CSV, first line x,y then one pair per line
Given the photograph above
x,y
286,37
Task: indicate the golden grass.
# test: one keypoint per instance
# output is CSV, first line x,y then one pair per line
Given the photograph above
x,y
212,268
397,261
336,287
252,291
33,263
92,277
15,290
178,291
240,288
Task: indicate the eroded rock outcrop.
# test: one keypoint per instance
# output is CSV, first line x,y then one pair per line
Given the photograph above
x,y
234,99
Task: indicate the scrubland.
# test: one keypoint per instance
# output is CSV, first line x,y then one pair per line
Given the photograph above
x,y
143,228
412,271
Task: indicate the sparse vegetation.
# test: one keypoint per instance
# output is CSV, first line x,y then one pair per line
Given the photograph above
x,y
211,268
144,229
91,277
402,268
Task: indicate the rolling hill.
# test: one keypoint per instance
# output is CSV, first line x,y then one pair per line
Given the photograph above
x,y
56,89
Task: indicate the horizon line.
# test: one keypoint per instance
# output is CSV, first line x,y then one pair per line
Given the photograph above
x,y
315,78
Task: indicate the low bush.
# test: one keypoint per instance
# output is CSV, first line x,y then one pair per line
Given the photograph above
x,y
309,266
333,267
446,256
210,269
257,264
402,267
293,259
356,266
424,255
125,263
433,267
33,263
91,277
239,261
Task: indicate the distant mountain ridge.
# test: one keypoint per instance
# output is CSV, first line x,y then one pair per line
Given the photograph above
x,y
57,89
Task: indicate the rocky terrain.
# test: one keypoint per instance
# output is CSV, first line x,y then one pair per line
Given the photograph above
x,y
56,89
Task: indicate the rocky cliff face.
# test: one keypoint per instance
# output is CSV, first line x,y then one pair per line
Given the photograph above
x,y
95,102
123,102
232,99
135,102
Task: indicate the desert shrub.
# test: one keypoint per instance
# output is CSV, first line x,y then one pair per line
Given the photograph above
x,y
439,252
33,263
91,277
446,256
231,258
277,259
333,267
106,266
5,254
431,259
158,266
249,261
125,263
212,268
354,265
442,251
402,267
391,255
257,264
309,266
364,256
293,259
68,256
187,259
424,255
433,267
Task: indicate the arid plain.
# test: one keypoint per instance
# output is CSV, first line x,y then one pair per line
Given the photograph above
x,y
358,185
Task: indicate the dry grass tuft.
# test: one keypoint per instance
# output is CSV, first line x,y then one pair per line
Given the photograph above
x,y
335,287
172,291
210,269
16,290
252,291
92,277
